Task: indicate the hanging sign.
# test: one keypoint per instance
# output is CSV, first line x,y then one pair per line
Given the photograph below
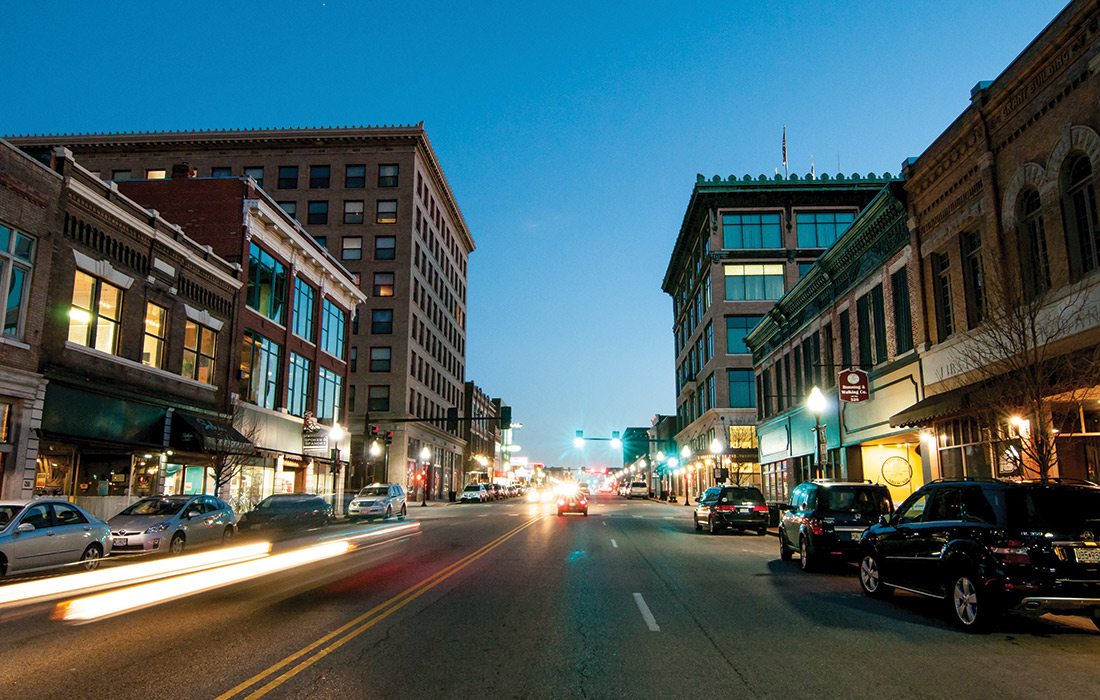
x,y
854,386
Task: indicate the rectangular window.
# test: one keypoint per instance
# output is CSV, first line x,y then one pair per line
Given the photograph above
x,y
387,176
319,176
353,212
16,259
221,172
828,368
121,175
751,231
754,282
156,174
973,278
156,332
266,292
385,247
799,389
297,386
353,358
355,176
845,339
380,359
941,295
381,321
710,341
710,392
741,386
260,370
305,297
386,212
903,321
95,313
256,172
865,331
199,348
737,327
333,329
871,317
821,229
291,208
383,284
378,398
288,177
329,388
318,212
351,248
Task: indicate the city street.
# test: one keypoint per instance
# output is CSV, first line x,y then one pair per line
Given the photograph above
x,y
508,600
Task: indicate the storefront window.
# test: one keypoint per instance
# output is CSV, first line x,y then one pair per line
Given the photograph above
x,y
54,472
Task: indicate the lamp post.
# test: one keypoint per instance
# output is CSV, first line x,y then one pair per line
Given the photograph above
x,y
374,451
335,435
425,455
685,455
716,450
815,404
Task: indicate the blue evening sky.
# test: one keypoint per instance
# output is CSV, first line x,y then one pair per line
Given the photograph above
x,y
571,134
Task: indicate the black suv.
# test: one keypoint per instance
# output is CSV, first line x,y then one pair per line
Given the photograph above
x,y
826,518
989,546
735,507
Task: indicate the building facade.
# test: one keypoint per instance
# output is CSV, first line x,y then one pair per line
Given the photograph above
x,y
377,198
743,243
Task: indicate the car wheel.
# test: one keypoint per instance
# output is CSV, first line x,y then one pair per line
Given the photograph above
x,y
585,513
560,514
870,578
177,544
91,557
807,559
404,511
968,605
761,531
712,526
695,519
3,566
1094,614
784,548
389,513
227,536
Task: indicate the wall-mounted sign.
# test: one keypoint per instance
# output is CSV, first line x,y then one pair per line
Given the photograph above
x,y
897,471
314,438
854,386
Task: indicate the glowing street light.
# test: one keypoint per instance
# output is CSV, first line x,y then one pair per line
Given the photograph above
x,y
815,404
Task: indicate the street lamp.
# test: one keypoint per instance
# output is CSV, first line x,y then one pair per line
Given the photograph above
x,y
425,455
375,451
335,435
685,454
815,404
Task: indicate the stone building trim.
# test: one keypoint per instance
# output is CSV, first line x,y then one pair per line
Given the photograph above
x,y
103,269
203,316
1030,175
1074,139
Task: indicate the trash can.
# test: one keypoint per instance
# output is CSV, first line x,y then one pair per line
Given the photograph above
x,y
452,495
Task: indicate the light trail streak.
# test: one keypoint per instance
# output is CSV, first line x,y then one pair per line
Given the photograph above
x,y
131,598
91,581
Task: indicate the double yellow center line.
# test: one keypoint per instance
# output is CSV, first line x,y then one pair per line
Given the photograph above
x,y
314,652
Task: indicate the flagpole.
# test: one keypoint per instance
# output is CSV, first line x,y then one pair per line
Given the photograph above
x,y
786,173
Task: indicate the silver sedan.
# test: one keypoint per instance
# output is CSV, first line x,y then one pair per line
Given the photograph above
x,y
49,533
172,523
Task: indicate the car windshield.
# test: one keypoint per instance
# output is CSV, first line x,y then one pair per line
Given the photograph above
x,y
472,487
156,506
374,491
1060,509
742,495
282,502
637,484
855,499
7,512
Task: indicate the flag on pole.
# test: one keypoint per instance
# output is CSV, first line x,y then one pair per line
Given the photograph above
x,y
813,174
784,146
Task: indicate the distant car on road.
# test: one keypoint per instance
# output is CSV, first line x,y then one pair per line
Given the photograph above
x,y
48,533
286,513
826,518
732,507
171,524
637,489
378,501
573,501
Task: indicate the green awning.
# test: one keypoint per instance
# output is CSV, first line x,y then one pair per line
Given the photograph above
x,y
72,412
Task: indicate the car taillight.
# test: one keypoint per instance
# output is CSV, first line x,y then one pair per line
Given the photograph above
x,y
1012,552
759,509
561,501
816,526
584,501
726,508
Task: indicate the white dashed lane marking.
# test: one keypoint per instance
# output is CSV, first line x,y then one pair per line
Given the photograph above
x,y
614,544
650,621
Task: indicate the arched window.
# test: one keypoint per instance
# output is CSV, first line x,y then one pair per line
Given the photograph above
x,y
1082,228
1032,241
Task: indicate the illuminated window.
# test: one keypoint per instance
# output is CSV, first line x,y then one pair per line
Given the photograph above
x,y
753,282
199,346
386,212
95,313
383,284
157,174
260,366
156,332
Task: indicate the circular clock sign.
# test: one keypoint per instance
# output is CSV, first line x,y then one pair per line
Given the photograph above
x,y
896,471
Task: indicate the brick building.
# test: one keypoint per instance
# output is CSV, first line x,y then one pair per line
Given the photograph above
x,y
377,198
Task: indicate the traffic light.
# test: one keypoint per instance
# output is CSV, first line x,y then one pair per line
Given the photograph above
x,y
373,430
452,419
389,437
505,417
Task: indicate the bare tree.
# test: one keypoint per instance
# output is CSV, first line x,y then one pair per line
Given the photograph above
x,y
227,452
1028,370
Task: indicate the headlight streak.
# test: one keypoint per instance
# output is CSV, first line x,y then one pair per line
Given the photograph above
x,y
370,533
124,600
91,581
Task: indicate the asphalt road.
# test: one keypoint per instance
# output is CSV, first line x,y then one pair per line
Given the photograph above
x,y
506,600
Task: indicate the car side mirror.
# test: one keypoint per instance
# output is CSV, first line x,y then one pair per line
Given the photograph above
x,y
884,519
25,527
193,514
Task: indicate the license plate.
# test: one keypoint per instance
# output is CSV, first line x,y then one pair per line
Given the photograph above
x,y
118,542
1087,555
743,510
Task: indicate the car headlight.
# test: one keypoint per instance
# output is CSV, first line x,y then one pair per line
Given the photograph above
x,y
157,528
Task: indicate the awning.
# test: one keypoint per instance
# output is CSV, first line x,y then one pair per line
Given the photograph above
x,y
195,433
929,409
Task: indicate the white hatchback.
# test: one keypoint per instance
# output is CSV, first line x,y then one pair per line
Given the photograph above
x,y
638,488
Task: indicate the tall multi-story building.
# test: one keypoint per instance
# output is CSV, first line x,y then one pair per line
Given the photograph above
x,y
742,244
377,198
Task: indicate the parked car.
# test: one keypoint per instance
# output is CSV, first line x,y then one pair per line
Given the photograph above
x,y
826,518
171,524
732,507
985,547
49,533
572,501
378,501
286,513
474,493
637,489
